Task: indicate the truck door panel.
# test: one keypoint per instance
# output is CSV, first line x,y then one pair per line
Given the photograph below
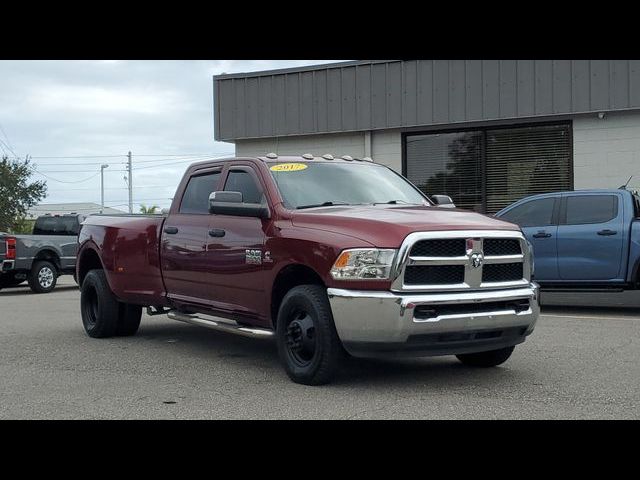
x,y
538,220
184,241
235,251
590,237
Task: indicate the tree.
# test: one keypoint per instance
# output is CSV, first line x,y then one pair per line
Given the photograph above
x,y
17,192
145,209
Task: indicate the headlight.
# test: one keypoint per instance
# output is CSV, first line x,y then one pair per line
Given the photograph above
x,y
363,264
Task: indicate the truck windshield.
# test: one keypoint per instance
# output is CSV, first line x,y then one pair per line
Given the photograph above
x,y
308,185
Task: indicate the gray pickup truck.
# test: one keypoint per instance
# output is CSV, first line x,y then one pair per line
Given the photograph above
x,y
42,257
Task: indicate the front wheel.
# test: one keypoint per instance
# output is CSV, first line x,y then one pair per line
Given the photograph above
x,y
308,344
43,277
491,358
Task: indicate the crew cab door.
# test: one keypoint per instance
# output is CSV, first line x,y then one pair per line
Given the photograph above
x,y
235,250
538,220
590,236
184,240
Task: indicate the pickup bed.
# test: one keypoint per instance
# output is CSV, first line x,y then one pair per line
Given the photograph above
x,y
42,257
330,256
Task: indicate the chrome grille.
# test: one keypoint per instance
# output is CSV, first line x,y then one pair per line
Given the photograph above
x,y
462,260
452,247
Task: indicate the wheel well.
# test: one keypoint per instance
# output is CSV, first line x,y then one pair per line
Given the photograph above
x,y
289,277
48,255
87,262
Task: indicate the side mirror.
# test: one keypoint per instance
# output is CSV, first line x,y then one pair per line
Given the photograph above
x,y
230,203
443,201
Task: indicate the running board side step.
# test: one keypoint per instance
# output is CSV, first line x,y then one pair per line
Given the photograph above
x,y
221,324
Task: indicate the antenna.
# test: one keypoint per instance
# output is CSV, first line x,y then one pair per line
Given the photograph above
x,y
624,187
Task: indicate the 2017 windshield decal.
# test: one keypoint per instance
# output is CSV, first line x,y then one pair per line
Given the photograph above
x,y
288,167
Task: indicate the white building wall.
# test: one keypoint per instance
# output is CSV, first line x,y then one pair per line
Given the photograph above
x,y
385,146
606,152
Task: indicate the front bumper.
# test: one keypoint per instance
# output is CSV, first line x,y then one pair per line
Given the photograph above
x,y
383,323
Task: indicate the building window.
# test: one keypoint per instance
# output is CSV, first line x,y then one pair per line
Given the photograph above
x,y
487,169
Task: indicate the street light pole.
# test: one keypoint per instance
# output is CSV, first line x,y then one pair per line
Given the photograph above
x,y
102,167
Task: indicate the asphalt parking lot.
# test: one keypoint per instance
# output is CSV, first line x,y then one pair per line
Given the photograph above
x,y
578,364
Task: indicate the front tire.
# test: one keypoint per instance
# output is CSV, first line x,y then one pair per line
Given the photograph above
x,y
308,344
43,277
491,358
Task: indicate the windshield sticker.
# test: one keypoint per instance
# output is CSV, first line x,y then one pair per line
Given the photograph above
x,y
288,167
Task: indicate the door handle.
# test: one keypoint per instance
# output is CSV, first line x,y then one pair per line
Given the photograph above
x,y
607,232
216,232
171,230
541,235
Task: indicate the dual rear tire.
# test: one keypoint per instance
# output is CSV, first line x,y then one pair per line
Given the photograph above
x,y
102,314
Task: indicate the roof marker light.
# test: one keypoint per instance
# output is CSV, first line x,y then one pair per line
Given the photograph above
x,y
347,157
367,159
327,156
272,155
307,156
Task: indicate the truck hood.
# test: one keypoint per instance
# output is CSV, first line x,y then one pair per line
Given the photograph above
x,y
386,226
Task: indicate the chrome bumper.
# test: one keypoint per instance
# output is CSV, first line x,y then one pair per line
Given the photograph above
x,y
373,323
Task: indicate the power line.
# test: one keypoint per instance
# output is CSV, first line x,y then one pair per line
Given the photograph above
x,y
63,181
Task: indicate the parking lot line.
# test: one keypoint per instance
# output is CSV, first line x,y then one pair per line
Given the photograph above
x,y
593,317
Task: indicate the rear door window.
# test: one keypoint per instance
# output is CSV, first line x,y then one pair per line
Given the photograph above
x,y
64,225
196,195
585,209
535,213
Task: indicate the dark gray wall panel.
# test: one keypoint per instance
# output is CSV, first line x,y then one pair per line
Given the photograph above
x,y
490,88
363,98
457,91
580,86
508,88
619,80
543,71
278,105
561,86
394,94
424,105
634,83
307,110
265,116
526,88
252,107
379,94
440,91
473,89
292,112
320,92
409,93
348,88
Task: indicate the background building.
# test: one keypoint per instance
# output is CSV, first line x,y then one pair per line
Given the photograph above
x,y
485,132
85,208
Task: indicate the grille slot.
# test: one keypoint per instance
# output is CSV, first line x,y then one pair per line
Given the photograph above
x,y
432,311
434,274
450,247
502,272
501,246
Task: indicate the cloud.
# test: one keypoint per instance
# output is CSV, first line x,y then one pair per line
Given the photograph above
x,y
108,107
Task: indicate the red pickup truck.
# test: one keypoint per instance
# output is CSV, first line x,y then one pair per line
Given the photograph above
x,y
331,256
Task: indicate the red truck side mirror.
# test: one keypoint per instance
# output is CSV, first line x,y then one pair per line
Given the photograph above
x,y
230,203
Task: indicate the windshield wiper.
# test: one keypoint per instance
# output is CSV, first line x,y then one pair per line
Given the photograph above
x,y
393,202
325,204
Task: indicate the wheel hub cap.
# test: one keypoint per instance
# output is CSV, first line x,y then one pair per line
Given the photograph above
x,y
45,277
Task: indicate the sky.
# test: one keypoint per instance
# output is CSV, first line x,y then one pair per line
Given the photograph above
x,y
63,113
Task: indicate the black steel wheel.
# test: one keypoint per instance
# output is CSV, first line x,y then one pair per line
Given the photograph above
x,y
308,344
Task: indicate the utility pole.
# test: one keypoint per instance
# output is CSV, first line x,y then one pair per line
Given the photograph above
x,y
102,167
130,183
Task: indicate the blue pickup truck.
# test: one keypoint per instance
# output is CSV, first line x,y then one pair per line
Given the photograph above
x,y
582,239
